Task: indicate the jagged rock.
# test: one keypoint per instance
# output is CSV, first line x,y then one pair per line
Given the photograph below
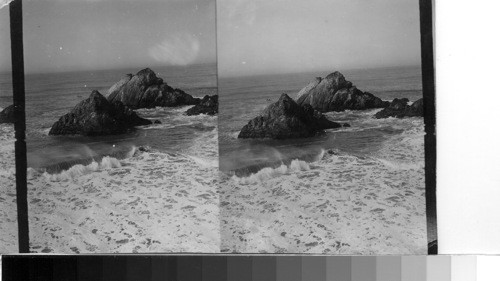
x,y
286,119
399,108
7,114
143,149
208,105
335,93
97,116
332,151
146,90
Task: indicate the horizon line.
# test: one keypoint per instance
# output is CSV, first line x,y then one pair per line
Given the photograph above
x,y
318,70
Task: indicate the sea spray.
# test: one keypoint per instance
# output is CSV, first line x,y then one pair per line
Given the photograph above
x,y
269,173
131,152
80,170
320,155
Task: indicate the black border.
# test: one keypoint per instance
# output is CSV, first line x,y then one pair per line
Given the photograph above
x,y
16,39
428,87
428,81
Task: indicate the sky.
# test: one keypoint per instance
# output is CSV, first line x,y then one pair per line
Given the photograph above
x,y
281,36
74,35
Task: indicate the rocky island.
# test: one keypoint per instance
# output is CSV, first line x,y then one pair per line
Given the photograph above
x,y
146,90
335,93
7,114
286,119
208,105
97,116
399,108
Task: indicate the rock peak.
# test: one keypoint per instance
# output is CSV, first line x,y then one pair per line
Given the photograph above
x,y
96,95
146,90
285,97
97,116
334,75
335,93
7,115
286,119
146,71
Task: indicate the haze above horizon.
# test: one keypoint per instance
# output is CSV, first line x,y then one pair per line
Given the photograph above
x,y
79,35
289,36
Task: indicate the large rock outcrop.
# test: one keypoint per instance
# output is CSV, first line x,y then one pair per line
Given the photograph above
x,y
7,114
286,119
97,116
208,105
399,108
335,93
146,90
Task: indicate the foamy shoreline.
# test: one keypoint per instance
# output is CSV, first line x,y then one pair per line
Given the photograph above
x,y
340,204
149,202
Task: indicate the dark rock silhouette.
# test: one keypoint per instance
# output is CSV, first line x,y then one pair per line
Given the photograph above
x,y
7,114
335,93
97,116
146,90
208,105
286,119
399,108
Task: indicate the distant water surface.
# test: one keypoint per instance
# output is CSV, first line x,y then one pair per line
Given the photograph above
x,y
243,98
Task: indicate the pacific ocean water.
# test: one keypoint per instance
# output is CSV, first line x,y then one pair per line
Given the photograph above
x,y
101,194
355,190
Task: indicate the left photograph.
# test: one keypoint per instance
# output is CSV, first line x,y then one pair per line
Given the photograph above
x,y
121,127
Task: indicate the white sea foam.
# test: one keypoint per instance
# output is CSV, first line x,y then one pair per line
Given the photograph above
x,y
8,214
81,170
158,202
270,173
341,204
205,163
162,202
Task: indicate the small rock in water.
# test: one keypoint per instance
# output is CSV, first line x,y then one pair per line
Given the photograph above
x,y
399,108
143,149
7,115
346,125
208,105
332,152
157,122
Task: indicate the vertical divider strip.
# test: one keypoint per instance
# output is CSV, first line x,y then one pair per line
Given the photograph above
x,y
16,39
427,54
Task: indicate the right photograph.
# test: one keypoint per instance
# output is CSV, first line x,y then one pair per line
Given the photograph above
x,y
321,128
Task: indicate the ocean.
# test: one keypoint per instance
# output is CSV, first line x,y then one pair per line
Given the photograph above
x,y
102,194
355,190
198,188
